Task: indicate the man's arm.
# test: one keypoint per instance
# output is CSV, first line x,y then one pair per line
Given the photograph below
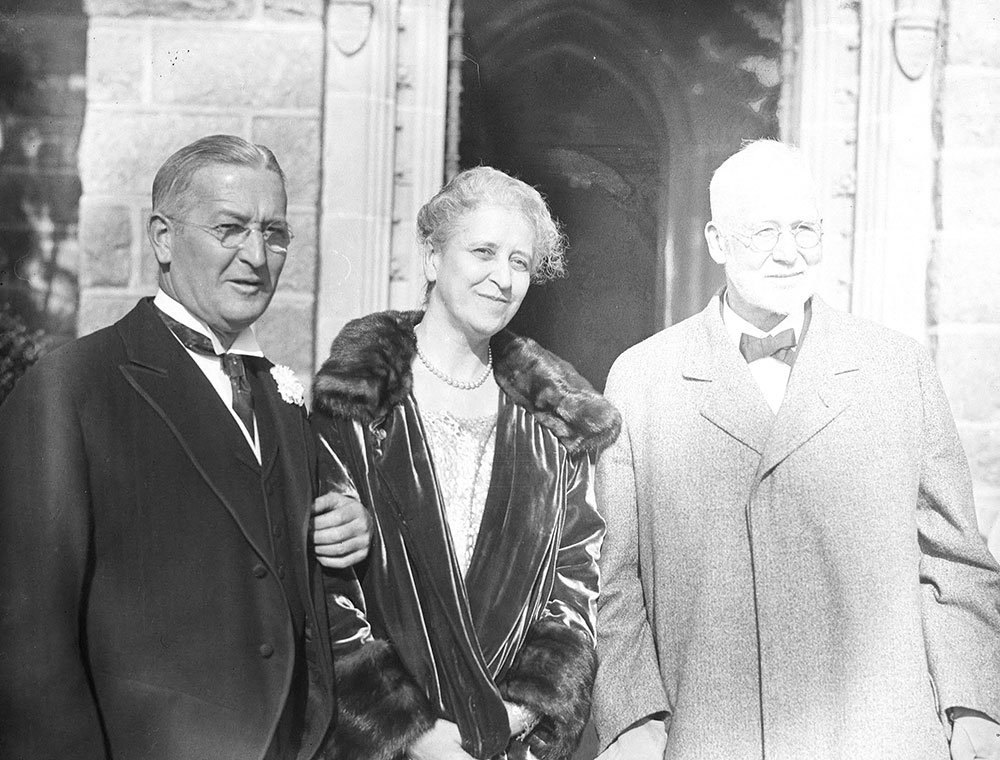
x,y
47,708
960,579
628,688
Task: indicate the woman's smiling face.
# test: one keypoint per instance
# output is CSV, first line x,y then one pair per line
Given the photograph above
x,y
481,274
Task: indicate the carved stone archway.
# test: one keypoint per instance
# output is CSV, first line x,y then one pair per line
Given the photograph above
x,y
859,98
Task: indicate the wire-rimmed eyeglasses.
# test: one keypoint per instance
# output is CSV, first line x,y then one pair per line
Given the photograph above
x,y
764,239
277,237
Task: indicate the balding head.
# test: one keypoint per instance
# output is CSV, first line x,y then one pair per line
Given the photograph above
x,y
762,167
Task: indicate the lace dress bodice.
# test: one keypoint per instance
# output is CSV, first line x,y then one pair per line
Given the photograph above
x,y
463,460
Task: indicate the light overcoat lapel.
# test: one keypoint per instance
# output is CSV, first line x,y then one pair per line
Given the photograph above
x,y
732,401
819,389
165,377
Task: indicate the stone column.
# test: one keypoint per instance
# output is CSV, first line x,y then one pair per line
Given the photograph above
x,y
819,112
894,222
161,73
965,272
383,153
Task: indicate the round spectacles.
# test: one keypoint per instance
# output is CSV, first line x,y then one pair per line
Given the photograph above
x,y
277,237
764,239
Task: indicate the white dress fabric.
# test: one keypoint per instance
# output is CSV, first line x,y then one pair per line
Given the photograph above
x,y
462,448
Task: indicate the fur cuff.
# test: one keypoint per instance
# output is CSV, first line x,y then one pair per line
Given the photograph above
x,y
380,708
553,674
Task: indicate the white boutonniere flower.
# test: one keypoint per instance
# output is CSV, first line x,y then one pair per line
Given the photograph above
x,y
289,387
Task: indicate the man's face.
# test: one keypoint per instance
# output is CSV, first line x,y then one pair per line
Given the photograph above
x,y
764,286
228,288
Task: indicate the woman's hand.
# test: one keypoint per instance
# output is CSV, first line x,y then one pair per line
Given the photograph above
x,y
342,530
443,742
519,717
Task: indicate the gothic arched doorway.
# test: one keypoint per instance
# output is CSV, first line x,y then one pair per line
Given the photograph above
x,y
617,110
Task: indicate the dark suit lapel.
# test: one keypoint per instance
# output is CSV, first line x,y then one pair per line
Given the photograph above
x,y
732,401
166,377
819,389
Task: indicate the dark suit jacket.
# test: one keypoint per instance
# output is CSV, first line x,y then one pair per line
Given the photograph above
x,y
141,615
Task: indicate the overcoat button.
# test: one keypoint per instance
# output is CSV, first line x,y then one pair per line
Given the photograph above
x,y
259,571
308,631
281,571
266,650
276,530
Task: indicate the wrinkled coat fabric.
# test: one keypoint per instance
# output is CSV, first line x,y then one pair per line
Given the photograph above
x,y
814,581
535,559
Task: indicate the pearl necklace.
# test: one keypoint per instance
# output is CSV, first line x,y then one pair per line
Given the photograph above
x,y
464,386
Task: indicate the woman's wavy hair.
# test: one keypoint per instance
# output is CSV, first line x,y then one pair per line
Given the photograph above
x,y
485,186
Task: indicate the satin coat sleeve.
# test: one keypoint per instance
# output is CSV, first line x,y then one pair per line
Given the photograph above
x,y
577,577
553,671
47,708
346,619
628,686
960,580
381,709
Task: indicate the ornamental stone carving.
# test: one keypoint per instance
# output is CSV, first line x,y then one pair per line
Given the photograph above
x,y
915,35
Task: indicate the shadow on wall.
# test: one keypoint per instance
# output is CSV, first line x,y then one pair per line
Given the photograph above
x,y
42,59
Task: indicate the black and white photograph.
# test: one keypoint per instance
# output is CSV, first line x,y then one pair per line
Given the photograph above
x,y
499,380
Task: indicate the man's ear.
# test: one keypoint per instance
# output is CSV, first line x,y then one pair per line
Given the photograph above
x,y
715,247
161,237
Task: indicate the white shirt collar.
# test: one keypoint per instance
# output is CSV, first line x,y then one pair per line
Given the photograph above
x,y
736,325
245,343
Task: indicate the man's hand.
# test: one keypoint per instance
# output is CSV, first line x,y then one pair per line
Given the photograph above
x,y
644,741
342,530
974,736
443,742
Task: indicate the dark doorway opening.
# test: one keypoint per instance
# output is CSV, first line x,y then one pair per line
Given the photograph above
x,y
618,111
558,120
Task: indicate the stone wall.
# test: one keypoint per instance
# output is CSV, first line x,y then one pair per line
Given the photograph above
x,y
161,73
42,55
964,304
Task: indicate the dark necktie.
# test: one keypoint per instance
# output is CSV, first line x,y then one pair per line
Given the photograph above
x,y
232,365
780,346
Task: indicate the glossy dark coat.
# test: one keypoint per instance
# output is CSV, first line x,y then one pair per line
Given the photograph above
x,y
520,625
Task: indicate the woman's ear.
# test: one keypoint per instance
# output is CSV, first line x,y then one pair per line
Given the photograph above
x,y
430,259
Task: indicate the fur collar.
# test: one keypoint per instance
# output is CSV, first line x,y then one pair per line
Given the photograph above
x,y
369,372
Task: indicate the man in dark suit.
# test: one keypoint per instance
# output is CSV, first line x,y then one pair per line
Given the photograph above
x,y
158,599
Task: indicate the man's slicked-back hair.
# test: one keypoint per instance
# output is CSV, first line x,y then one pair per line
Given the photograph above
x,y
756,158
174,178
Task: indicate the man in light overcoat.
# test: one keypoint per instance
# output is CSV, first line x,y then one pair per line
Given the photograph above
x,y
158,596
792,567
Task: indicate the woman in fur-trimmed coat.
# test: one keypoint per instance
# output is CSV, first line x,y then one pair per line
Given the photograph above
x,y
471,447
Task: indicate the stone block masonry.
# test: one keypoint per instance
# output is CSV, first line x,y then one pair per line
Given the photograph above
x,y
161,73
965,311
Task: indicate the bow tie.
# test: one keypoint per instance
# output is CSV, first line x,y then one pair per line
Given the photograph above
x,y
780,346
